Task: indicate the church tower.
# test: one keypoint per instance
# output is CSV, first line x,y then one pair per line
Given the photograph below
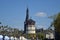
x,y
29,24
27,17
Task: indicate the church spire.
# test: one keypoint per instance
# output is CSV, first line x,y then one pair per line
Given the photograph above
x,y
27,14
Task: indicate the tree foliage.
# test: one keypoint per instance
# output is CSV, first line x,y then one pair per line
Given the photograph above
x,y
40,35
56,23
8,31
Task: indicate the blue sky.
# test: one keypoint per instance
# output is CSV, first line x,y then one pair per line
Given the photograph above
x,y
13,12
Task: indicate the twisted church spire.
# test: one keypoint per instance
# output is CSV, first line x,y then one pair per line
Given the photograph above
x,y
27,14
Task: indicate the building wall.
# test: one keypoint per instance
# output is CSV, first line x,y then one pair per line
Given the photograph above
x,y
50,36
30,29
47,36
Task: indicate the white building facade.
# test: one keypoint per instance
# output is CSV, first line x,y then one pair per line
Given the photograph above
x,y
50,35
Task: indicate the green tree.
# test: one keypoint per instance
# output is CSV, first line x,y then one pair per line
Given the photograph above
x,y
40,35
56,24
8,31
3,31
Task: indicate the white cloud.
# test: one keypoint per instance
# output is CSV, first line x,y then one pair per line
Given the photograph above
x,y
41,14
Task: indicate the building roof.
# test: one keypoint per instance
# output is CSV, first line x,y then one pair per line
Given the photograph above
x,y
30,22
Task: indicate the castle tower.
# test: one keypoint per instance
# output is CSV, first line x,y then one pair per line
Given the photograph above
x,y
29,24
